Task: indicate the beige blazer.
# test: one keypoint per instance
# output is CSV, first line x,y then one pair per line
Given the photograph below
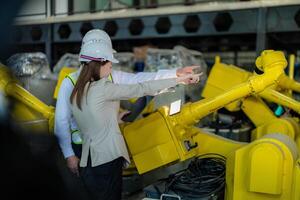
x,y
98,119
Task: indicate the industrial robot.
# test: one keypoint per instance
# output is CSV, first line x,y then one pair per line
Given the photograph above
x,y
266,168
253,106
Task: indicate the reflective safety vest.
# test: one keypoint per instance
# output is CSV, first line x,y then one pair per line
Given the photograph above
x,y
76,134
73,78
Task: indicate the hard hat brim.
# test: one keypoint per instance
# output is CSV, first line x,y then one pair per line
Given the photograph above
x,y
113,60
84,58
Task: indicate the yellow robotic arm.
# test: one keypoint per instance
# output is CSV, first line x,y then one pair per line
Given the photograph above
x,y
259,113
27,108
266,169
171,138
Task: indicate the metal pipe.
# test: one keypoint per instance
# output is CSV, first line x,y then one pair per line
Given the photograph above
x,y
291,70
281,99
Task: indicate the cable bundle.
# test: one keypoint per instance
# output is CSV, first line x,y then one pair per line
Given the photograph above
x,y
204,177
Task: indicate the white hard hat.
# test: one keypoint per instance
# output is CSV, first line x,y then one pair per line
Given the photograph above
x,y
96,34
90,49
96,50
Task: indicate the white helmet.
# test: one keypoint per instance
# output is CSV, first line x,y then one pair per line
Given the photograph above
x,y
96,45
96,34
97,51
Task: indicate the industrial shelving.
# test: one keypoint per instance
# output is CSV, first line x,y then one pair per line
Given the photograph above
x,y
253,25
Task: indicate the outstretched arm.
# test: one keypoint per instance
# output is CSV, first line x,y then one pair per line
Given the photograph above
x,y
120,77
125,91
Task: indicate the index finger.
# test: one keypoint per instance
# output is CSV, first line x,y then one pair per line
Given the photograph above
x,y
198,75
192,67
192,76
195,66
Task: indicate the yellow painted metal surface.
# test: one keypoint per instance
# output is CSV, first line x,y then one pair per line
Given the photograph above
x,y
254,85
234,75
253,106
221,78
265,179
28,110
278,125
248,174
163,142
281,99
160,134
291,70
261,170
61,76
157,147
296,182
257,110
212,143
287,83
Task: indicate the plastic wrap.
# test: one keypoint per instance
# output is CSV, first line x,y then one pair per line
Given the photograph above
x,y
33,71
162,59
126,62
67,60
179,57
191,57
30,64
174,58
72,60
140,53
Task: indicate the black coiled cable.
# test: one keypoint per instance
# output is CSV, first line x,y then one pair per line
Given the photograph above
x,y
204,177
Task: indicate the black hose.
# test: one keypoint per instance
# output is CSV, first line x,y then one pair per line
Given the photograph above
x,y
205,176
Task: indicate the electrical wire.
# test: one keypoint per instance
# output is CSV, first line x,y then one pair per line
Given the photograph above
x,y
205,176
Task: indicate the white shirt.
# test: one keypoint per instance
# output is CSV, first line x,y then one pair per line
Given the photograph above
x,y
64,120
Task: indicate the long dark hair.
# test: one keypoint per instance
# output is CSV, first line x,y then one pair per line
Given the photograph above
x,y
90,72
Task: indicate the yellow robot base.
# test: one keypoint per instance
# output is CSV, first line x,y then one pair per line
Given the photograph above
x,y
263,170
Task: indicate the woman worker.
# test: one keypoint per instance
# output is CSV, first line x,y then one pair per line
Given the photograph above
x,y
95,105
